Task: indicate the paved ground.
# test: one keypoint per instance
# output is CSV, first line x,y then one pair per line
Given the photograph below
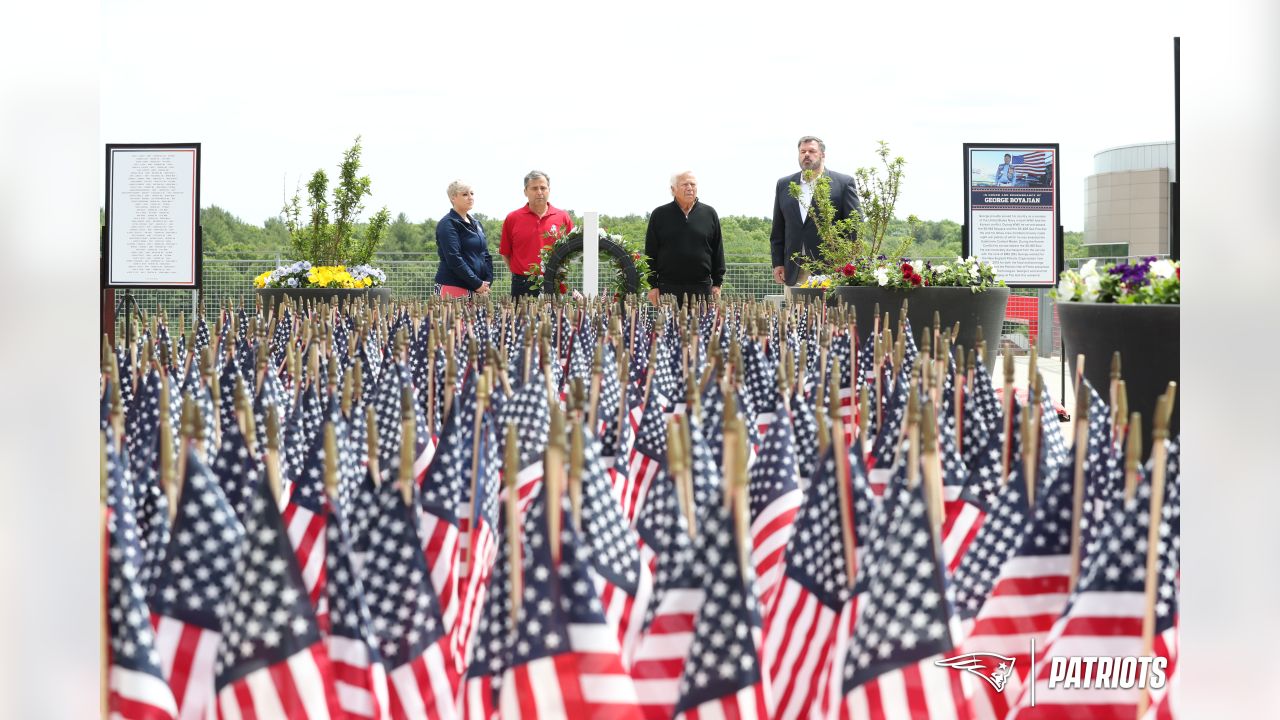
x,y
1052,371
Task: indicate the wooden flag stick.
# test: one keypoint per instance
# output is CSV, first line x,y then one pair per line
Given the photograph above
x,y
1031,441
843,480
272,458
1007,401
1081,450
1159,467
576,461
511,468
330,461
1133,456
554,480
932,469
864,420
1114,389
408,446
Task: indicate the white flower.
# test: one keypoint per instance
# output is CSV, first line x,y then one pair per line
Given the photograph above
x,y
1089,269
882,276
960,260
1162,268
939,268
1066,288
1092,286
973,271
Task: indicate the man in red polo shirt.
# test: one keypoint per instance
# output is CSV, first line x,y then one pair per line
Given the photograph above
x,y
527,230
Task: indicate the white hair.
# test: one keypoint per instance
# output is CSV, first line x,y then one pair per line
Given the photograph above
x,y
456,187
675,179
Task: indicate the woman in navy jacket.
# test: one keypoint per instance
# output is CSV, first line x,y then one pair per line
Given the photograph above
x,y
465,263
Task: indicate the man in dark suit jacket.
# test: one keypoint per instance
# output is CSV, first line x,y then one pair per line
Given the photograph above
x,y
794,226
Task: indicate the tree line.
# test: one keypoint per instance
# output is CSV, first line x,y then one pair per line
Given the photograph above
x,y
746,238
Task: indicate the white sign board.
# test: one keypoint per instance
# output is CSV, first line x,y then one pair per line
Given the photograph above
x,y
153,216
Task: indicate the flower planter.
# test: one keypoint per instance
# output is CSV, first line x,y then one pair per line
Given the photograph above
x,y
953,304
1147,337
271,297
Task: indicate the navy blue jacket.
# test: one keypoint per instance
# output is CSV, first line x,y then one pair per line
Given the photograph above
x,y
464,253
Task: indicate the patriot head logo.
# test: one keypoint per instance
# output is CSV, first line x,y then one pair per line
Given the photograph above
x,y
995,669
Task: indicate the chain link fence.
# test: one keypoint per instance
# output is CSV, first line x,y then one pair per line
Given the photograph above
x,y
412,275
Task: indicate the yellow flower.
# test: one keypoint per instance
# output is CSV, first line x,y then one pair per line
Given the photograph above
x,y
261,280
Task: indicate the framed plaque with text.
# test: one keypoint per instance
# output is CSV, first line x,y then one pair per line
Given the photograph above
x,y
1012,211
152,233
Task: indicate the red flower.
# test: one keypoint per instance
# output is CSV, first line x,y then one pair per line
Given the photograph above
x,y
906,271
563,288
915,279
1178,271
849,270
635,256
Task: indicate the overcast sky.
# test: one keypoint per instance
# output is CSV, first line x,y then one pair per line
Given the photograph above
x,y
611,99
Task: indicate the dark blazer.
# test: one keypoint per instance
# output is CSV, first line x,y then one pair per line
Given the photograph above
x,y
464,253
790,235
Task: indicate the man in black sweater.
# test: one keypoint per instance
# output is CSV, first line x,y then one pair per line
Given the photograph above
x,y
684,244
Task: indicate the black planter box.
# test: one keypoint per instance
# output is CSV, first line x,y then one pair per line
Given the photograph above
x,y
971,309
271,297
1147,337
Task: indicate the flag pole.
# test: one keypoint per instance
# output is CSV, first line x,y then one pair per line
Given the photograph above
x,y
843,478
1159,467
1081,450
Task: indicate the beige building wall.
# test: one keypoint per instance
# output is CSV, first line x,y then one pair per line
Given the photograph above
x,y
1128,207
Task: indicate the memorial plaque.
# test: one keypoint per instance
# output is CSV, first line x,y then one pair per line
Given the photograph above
x,y
152,237
1012,218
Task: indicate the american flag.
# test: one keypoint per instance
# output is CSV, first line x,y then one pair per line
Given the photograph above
x,y
623,581
1107,607
202,334
359,675
305,520
138,689
611,399
1032,163
646,460
238,472
961,518
148,504
302,429
482,514
761,386
272,661
529,409
1030,591
884,449
775,498
565,660
805,426
490,651
904,623
422,675
142,418
809,625
204,550
1007,516
722,675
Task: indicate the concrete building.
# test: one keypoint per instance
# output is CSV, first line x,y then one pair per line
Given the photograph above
x,y
1127,207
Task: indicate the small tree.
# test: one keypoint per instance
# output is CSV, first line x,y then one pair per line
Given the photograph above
x,y
862,236
323,241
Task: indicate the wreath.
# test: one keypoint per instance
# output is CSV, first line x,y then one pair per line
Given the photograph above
x,y
630,266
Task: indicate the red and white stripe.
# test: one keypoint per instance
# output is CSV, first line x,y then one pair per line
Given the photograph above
x,y
625,613
1026,600
473,594
440,547
307,536
587,682
920,691
770,533
300,687
188,654
423,461
960,524
139,696
659,658
360,683
528,482
478,700
748,703
799,650
426,687
641,470
1098,624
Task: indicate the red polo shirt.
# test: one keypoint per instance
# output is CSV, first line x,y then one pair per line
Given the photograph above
x,y
524,234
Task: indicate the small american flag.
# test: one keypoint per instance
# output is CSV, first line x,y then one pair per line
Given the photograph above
x,y
722,674
904,623
138,689
422,676
205,546
566,660
272,661
775,498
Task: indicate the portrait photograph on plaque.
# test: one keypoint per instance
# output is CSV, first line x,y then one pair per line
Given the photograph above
x,y
151,236
1012,211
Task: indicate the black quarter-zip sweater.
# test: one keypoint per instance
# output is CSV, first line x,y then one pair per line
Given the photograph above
x,y
684,251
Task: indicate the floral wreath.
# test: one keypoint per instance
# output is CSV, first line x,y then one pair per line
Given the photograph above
x,y
630,265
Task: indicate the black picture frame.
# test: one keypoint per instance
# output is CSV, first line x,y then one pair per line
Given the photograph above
x,y
1059,241
197,250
